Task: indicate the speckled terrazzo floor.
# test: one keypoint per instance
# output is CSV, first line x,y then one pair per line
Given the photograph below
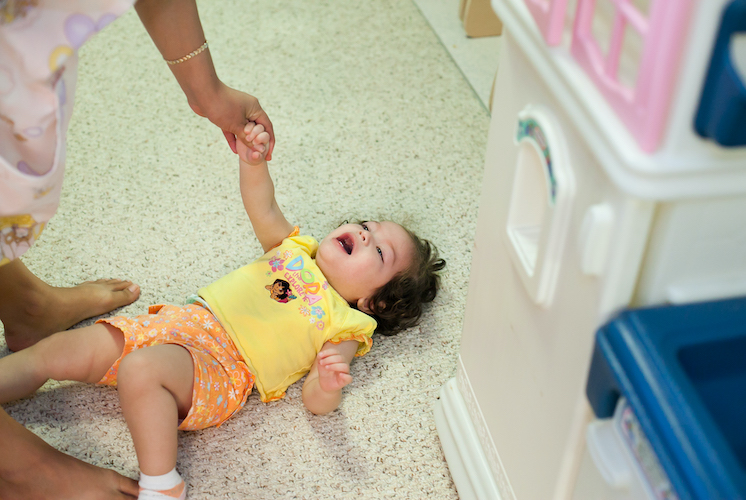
x,y
373,119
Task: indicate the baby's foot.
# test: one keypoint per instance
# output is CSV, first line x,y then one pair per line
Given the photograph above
x,y
177,492
169,486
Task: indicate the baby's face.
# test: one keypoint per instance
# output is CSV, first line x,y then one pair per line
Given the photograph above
x,y
358,259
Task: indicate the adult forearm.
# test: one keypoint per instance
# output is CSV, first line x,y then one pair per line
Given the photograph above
x,y
176,30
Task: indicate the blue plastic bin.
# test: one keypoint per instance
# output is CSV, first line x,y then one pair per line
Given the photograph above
x,y
683,372
722,109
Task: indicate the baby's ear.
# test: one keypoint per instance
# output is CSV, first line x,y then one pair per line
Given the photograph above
x,y
363,305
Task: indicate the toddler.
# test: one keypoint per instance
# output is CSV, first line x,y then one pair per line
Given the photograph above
x,y
305,307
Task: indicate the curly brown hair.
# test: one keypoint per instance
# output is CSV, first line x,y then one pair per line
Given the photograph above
x,y
398,304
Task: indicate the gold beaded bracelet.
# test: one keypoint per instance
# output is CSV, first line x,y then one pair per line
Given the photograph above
x,y
188,56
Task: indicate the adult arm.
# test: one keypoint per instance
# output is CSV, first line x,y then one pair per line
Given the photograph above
x,y
176,30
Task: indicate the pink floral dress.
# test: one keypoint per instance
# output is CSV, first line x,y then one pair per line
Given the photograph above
x,y
39,42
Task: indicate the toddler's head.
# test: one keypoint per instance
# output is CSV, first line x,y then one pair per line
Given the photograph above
x,y
383,269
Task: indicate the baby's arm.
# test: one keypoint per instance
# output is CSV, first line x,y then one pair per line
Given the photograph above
x,y
322,390
258,190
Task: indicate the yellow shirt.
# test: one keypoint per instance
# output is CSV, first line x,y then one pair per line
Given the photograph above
x,y
279,310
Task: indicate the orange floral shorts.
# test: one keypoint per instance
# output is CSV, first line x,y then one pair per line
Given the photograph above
x,y
222,381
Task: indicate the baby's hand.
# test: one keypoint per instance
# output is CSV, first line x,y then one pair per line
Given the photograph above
x,y
334,372
258,137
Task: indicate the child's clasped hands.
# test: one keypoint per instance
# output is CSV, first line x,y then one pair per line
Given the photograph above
x,y
259,138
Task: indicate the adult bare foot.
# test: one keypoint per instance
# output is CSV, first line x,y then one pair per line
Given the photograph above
x,y
31,309
30,468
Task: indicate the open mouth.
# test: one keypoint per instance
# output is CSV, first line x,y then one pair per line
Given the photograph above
x,y
347,243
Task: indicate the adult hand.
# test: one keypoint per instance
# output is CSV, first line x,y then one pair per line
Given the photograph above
x,y
231,110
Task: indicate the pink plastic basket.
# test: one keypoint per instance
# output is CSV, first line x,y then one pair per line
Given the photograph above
x,y
549,16
642,105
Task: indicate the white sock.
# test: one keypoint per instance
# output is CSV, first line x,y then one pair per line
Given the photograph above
x,y
164,486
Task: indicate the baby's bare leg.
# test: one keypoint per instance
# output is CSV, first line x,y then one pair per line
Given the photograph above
x,y
155,390
83,355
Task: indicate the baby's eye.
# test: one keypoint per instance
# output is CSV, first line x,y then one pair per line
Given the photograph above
x,y
365,226
380,253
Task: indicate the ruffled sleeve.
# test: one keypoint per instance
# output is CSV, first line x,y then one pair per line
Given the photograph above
x,y
360,327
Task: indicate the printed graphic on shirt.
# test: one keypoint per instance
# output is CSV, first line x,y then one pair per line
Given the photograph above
x,y
280,291
301,282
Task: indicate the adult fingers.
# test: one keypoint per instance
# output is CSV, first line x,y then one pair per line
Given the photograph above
x,y
231,138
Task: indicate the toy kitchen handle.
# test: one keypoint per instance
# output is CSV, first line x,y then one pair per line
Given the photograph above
x,y
722,107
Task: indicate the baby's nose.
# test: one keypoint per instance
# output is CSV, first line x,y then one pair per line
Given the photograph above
x,y
364,236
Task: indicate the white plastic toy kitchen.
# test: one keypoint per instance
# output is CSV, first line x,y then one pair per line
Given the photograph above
x,y
615,177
